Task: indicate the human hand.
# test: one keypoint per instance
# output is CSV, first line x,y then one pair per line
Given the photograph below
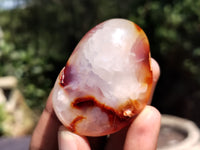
x,y
142,134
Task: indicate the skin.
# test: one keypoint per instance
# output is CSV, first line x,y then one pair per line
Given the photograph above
x,y
141,134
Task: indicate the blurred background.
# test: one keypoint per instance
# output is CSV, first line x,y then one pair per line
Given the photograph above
x,y
38,36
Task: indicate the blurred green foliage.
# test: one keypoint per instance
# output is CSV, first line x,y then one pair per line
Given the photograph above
x,y
2,118
39,38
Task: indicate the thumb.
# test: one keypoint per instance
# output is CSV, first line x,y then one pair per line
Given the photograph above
x,y
70,141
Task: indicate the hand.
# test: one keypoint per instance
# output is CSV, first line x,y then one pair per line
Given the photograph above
x,y
142,134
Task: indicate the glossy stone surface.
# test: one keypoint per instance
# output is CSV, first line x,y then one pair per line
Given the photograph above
x,y
106,81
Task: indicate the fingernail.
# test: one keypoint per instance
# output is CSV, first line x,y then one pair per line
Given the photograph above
x,y
151,113
66,140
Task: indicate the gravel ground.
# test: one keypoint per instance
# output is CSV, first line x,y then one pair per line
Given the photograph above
x,y
21,143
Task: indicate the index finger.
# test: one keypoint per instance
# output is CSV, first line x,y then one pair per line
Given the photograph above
x,y
45,133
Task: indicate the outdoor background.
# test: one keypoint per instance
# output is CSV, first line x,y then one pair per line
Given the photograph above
x,y
39,35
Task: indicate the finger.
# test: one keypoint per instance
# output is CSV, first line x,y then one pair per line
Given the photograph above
x,y
156,74
70,141
143,132
45,133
